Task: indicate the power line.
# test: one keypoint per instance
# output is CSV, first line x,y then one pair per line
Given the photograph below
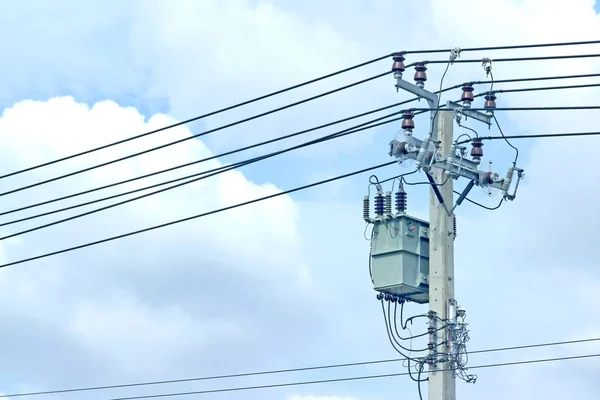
x,y
354,378
187,121
227,153
515,59
538,78
268,142
197,177
282,371
532,89
512,47
238,122
89,244
536,136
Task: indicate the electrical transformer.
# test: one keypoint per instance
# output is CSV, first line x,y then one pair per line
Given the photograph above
x,y
399,260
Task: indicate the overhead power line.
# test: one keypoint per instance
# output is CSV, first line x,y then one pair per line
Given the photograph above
x,y
196,177
509,47
227,153
229,125
187,121
354,378
514,59
534,89
109,239
274,140
282,371
536,136
22,208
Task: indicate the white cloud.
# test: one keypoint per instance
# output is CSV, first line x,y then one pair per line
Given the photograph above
x,y
526,273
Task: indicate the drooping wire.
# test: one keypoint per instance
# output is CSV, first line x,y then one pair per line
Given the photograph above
x,y
537,136
481,205
508,142
280,371
205,214
510,47
187,121
191,179
229,125
355,378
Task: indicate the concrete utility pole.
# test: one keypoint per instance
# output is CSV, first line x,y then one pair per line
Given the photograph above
x,y
442,385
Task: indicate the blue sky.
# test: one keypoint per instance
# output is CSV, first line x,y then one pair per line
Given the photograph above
x,y
285,283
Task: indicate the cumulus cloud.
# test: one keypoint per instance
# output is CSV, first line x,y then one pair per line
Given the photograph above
x,y
284,283
175,291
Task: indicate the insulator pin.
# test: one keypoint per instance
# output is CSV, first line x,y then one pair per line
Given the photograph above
x,y
398,65
477,150
467,95
401,200
388,203
490,103
408,124
366,209
378,205
420,74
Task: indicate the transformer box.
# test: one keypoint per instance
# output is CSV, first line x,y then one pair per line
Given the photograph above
x,y
400,257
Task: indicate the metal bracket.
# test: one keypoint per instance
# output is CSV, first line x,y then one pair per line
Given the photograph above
x,y
414,89
478,115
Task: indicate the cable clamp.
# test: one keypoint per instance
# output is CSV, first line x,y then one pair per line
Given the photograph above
x,y
486,63
458,113
454,54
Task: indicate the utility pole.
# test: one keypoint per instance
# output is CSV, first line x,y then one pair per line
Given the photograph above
x,y
442,384
413,260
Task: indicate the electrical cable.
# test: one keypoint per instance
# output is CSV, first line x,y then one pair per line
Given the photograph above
x,y
537,136
516,59
276,139
282,371
227,153
393,341
537,78
511,47
481,205
243,103
196,177
229,125
205,214
346,379
532,89
507,141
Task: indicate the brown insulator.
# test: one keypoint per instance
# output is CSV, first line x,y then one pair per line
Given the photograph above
x,y
467,95
398,65
420,75
490,102
477,151
488,179
407,123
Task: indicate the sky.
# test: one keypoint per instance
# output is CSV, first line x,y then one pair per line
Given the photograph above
x,y
282,283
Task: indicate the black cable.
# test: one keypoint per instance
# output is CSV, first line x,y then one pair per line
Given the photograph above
x,y
396,329
277,139
227,153
238,122
512,47
537,136
532,89
198,176
481,205
516,59
537,78
390,333
354,378
507,141
151,228
281,371
201,116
